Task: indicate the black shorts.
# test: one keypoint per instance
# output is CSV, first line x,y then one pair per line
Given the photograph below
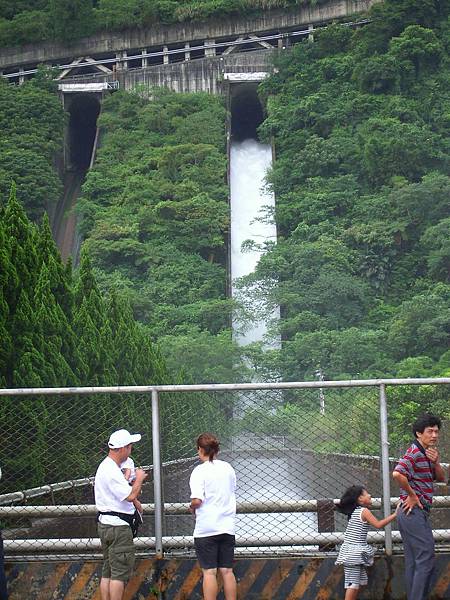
x,y
215,551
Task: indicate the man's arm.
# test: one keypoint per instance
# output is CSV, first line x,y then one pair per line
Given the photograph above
x,y
195,503
412,500
137,485
433,457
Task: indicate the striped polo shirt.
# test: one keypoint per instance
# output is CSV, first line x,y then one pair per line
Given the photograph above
x,y
419,471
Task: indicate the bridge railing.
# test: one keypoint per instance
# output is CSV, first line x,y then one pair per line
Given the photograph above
x,y
169,54
295,448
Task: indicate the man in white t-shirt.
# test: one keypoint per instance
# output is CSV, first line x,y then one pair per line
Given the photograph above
x,y
114,500
213,501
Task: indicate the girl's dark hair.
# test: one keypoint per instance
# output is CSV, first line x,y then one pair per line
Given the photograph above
x,y
209,444
349,500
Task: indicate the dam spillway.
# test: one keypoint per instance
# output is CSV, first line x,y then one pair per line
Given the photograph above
x,y
251,202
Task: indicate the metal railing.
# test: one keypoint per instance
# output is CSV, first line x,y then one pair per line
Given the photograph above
x,y
295,447
165,54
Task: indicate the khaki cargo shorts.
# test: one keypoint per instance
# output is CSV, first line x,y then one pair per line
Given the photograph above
x,y
118,551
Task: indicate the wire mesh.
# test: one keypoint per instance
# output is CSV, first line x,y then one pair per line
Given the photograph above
x,y
51,448
405,403
285,446
294,451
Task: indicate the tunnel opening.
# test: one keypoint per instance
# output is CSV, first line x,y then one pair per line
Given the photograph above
x,y
83,110
246,111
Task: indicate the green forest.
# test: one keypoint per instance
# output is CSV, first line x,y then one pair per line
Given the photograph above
x,y
155,216
361,268
359,120
31,21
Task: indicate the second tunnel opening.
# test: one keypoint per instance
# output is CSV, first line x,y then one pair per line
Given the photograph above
x,y
83,110
246,111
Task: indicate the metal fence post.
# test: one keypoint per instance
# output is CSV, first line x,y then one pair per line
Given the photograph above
x,y
385,467
157,475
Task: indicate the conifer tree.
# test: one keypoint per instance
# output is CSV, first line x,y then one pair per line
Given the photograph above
x,y
60,278
125,340
20,234
92,329
5,274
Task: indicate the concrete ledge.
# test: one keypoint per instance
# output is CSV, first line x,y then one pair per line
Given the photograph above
x,y
315,578
183,32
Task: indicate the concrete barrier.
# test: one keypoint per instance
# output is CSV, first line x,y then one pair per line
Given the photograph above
x,y
312,578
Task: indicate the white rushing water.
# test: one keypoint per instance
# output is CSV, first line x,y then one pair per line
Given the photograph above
x,y
249,162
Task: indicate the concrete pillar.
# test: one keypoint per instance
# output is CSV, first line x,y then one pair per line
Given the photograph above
x,y
210,51
144,58
124,62
118,64
187,54
311,34
21,75
166,55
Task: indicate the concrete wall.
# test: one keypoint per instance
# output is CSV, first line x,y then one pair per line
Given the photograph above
x,y
315,578
199,75
140,38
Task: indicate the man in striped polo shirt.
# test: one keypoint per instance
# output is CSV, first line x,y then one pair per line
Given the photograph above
x,y
415,473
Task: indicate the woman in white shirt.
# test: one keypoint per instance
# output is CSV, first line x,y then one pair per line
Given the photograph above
x,y
213,501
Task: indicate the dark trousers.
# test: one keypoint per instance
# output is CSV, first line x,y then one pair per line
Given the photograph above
x,y
3,591
418,545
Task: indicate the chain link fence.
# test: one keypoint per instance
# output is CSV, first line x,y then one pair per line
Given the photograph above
x,y
295,448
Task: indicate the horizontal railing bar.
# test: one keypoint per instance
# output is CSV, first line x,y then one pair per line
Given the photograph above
x,y
19,496
71,544
220,387
71,483
181,508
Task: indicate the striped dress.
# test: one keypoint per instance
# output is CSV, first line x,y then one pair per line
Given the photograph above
x,y
355,550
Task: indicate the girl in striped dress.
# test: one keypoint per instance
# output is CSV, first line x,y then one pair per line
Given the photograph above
x,y
355,553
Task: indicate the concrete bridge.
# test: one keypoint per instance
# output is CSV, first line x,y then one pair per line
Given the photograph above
x,y
184,57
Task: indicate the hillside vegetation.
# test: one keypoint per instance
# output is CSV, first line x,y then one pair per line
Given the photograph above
x,y
31,138
155,215
28,21
360,122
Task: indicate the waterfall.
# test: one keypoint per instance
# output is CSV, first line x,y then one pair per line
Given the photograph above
x,y
249,162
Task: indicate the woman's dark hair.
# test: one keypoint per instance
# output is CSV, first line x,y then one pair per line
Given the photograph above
x,y
349,500
209,444
426,420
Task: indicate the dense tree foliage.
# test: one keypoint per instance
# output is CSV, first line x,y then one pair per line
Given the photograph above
x,y
58,330
155,217
361,270
359,120
31,136
65,20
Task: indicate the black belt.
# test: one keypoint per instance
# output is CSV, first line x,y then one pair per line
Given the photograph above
x,y
124,516
133,519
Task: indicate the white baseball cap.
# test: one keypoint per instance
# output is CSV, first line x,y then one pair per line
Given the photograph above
x,y
122,438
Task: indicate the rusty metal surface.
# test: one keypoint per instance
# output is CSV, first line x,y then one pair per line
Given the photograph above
x,y
180,579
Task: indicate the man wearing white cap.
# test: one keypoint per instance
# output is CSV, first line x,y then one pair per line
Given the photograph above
x,y
114,501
